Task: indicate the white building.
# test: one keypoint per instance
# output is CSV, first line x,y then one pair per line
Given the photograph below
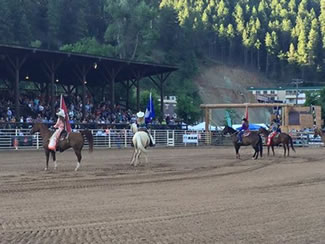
x,y
282,94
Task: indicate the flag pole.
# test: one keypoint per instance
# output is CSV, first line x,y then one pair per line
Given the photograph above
x,y
61,101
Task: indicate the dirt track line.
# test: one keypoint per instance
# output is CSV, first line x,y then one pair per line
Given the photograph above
x,y
304,182
104,224
124,182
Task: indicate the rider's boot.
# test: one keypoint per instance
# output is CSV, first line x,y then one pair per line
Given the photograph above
x,y
152,142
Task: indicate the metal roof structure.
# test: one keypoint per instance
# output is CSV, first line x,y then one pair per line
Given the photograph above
x,y
75,69
67,62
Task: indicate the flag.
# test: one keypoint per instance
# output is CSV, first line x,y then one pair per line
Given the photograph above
x,y
228,119
67,121
246,113
150,111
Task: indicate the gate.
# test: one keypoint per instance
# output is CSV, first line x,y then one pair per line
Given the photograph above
x,y
170,138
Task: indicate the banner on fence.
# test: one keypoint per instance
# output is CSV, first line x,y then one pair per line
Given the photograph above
x,y
191,138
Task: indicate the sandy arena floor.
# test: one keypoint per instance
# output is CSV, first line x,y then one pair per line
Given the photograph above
x,y
198,195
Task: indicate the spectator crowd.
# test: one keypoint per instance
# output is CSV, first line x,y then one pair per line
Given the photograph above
x,y
34,108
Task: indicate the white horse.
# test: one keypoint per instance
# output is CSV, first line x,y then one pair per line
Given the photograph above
x,y
141,141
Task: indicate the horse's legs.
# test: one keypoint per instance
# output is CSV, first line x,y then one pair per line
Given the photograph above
x,y
78,154
54,159
237,151
288,147
268,150
137,157
285,149
146,157
273,150
255,156
133,157
47,154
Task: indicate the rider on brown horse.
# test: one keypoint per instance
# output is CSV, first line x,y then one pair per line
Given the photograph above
x,y
275,128
244,128
60,126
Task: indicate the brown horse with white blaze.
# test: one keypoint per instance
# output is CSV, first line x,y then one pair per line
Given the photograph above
x,y
281,138
75,140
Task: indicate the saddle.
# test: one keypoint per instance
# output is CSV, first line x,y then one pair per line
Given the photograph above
x,y
145,130
247,133
63,141
64,135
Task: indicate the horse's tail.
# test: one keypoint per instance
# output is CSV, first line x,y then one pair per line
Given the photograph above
x,y
90,139
260,142
139,144
291,143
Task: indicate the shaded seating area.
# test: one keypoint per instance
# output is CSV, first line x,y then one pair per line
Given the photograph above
x,y
77,74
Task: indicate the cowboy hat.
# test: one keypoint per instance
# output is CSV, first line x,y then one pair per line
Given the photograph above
x,y
140,114
61,113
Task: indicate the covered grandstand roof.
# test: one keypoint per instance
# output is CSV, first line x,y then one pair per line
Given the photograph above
x,y
36,58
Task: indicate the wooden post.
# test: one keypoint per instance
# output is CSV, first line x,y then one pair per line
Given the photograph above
x,y
207,126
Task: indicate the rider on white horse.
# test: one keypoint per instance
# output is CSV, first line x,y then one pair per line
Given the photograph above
x,y
143,127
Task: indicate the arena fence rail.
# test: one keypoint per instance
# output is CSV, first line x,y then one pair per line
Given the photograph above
x,y
20,139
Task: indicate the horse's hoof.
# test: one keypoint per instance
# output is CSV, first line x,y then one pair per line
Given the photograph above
x,y
45,169
77,167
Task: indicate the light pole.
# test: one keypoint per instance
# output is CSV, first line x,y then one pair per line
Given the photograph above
x,y
297,82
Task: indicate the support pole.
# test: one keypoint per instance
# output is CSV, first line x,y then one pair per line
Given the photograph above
x,y
127,94
84,97
207,126
207,119
138,94
17,105
112,81
52,94
161,78
162,99
81,73
50,70
15,65
110,75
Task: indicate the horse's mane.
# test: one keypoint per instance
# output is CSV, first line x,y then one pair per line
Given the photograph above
x,y
230,129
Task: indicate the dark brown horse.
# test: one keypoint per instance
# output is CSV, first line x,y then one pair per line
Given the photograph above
x,y
253,139
281,138
74,140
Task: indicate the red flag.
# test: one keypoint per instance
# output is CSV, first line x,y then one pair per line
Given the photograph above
x,y
246,113
67,121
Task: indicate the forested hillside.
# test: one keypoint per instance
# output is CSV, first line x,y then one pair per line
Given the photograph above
x,y
282,39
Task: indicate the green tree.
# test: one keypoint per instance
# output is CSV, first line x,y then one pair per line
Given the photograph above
x,y
187,109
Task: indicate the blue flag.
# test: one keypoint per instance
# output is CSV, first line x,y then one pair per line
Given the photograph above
x,y
150,111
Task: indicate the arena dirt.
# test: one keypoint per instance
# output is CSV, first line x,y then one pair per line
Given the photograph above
x,y
193,195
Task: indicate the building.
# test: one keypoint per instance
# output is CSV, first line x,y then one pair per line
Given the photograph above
x,y
170,103
282,94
